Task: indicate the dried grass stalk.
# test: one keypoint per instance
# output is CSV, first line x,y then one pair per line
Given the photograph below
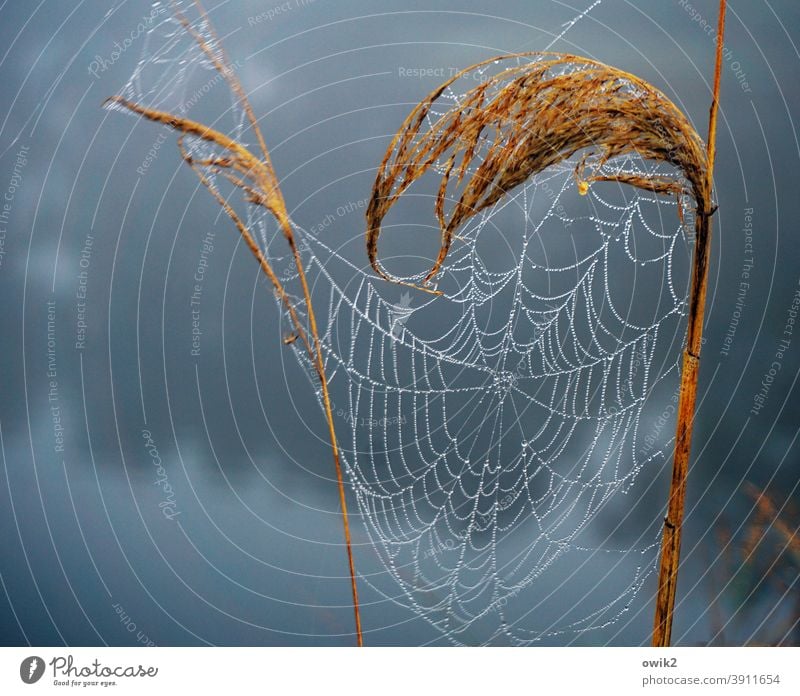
x,y
256,178
769,516
522,121
673,523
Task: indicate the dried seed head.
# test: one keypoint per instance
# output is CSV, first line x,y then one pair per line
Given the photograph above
x,y
524,119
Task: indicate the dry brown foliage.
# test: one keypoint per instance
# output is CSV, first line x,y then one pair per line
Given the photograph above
x,y
755,599
525,119
255,177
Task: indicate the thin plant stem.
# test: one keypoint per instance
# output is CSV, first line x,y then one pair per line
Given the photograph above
x,y
260,184
673,522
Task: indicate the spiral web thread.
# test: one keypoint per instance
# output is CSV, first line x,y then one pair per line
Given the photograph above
x,y
484,430
480,455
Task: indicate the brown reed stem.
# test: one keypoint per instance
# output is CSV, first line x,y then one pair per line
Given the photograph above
x,y
263,189
673,522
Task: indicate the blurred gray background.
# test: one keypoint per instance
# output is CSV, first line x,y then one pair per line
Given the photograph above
x,y
237,539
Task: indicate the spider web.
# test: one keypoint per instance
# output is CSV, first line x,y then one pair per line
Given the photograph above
x,y
484,433
493,436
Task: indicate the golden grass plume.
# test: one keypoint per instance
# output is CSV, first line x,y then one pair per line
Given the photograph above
x,y
525,119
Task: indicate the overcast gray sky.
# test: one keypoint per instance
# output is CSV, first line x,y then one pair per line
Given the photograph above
x,y
236,539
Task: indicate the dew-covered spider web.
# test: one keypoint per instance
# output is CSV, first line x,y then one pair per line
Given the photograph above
x,y
498,438
484,431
